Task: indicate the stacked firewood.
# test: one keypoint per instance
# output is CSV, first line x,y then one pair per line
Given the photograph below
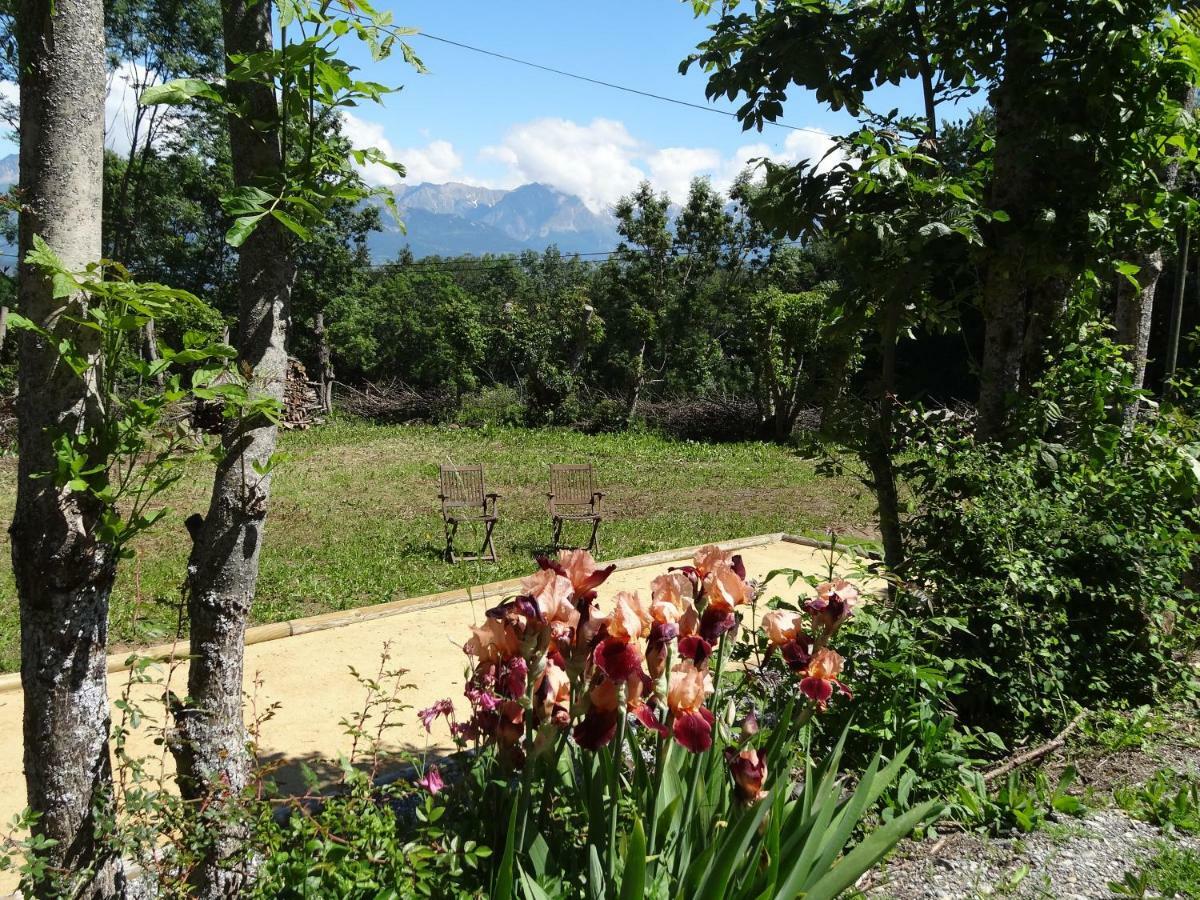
x,y
301,402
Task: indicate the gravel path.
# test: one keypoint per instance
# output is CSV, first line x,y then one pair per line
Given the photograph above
x,y
1069,859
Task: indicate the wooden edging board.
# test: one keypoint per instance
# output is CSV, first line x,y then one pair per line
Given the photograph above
x,y
119,662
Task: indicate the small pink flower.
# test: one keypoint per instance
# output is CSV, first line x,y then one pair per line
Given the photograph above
x,y
430,713
432,781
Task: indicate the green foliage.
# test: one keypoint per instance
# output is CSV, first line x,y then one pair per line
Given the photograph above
x,y
312,82
1114,731
1171,872
1020,804
491,407
357,845
134,448
416,326
789,337
1170,800
1074,594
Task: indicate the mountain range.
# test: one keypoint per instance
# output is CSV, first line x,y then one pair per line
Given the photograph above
x,y
454,219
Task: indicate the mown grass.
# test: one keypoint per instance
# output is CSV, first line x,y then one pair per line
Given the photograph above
x,y
354,517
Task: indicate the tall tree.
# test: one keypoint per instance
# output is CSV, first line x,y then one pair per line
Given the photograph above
x,y
1076,94
212,754
64,575
278,99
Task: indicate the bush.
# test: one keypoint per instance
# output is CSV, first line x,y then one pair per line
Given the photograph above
x,y
1063,556
491,407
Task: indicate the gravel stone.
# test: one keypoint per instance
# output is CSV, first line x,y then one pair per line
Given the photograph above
x,y
1073,859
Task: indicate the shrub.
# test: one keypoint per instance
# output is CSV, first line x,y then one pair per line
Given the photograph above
x,y
1062,555
491,407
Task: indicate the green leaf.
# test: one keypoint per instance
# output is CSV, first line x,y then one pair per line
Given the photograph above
x,y
876,845
531,889
596,878
241,229
633,880
179,91
292,225
715,881
504,877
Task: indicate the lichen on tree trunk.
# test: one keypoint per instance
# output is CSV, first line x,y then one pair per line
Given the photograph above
x,y
63,575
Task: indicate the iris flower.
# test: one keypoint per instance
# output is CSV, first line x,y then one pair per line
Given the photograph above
x,y
749,771
692,721
823,671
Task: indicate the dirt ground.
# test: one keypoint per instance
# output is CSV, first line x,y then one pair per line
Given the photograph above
x,y
306,680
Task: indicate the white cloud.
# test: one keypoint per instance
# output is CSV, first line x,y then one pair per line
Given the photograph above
x,y
594,161
436,162
601,161
672,169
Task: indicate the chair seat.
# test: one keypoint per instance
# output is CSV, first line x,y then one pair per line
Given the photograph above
x,y
455,519
577,515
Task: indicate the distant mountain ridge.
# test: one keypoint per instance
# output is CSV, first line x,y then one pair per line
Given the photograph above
x,y
453,219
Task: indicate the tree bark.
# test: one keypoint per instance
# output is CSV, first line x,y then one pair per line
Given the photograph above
x,y
211,743
1132,317
1007,276
1135,305
63,575
324,362
880,440
639,379
3,325
1177,294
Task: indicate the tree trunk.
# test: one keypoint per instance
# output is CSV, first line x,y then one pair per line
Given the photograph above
x,y
880,441
1177,294
3,325
150,336
211,743
63,575
324,362
639,379
1006,278
1135,305
1133,315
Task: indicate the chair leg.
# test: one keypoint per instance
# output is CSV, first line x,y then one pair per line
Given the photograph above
x,y
594,543
451,530
487,543
557,539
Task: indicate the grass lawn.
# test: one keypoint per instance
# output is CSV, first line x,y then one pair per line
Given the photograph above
x,y
354,515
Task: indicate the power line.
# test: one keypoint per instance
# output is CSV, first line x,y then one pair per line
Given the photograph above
x,y
607,84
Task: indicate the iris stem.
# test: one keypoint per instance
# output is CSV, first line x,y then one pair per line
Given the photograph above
x,y
615,788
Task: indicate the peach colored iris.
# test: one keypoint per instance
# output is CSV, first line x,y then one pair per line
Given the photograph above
x,y
581,570
782,626
823,671
686,690
749,772
552,593
492,642
630,618
725,589
710,558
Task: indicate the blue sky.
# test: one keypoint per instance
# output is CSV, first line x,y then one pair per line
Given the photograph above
x,y
481,120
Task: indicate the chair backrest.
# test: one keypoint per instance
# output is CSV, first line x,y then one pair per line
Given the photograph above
x,y
571,485
461,486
